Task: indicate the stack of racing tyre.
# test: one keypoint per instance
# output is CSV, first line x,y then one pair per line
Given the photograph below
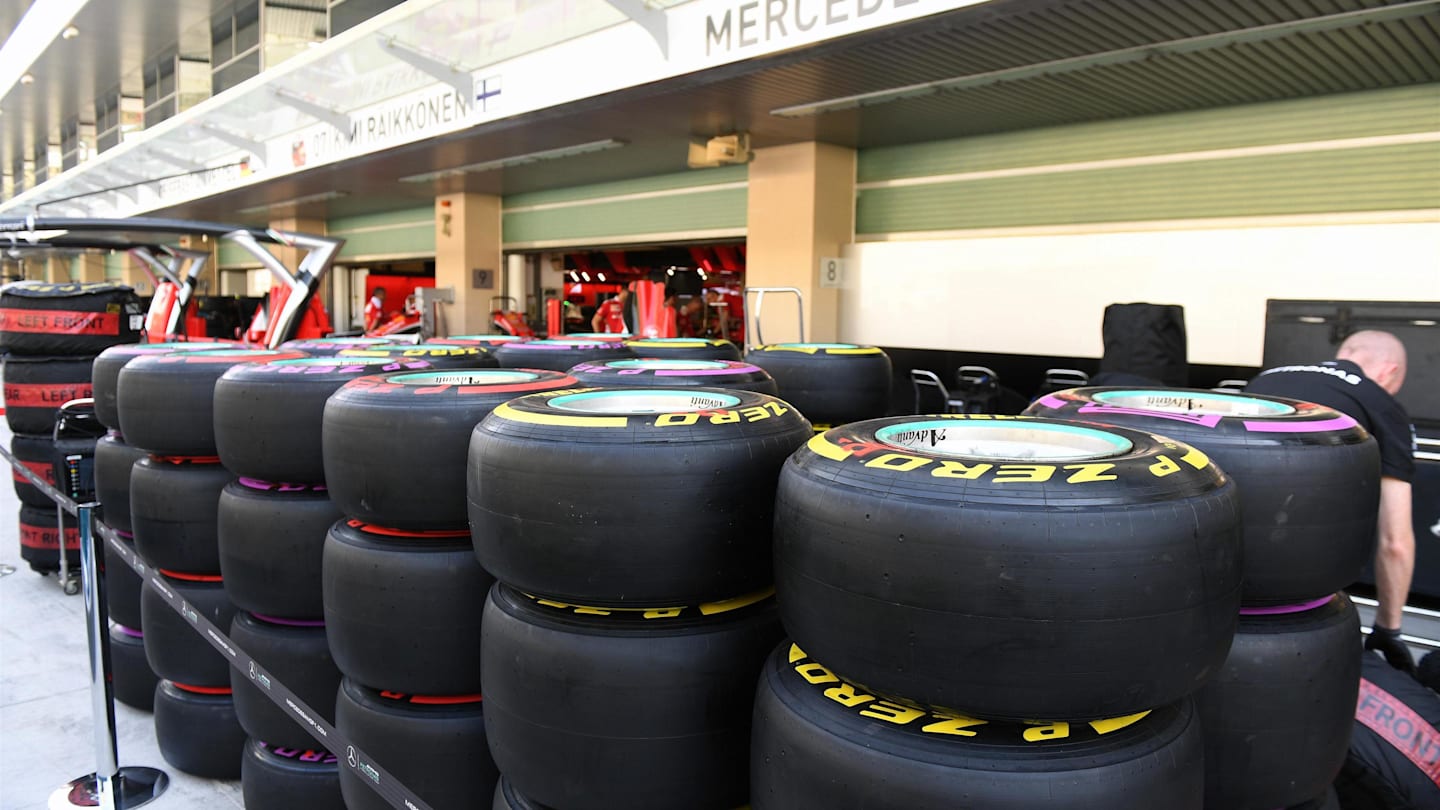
x,y
994,612
1278,715
559,354
831,383
630,531
273,518
165,408
402,592
114,462
50,333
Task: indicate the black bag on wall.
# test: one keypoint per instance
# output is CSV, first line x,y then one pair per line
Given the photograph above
x,y
1145,340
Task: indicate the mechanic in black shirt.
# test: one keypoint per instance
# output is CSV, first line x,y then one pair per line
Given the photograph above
x,y
1361,382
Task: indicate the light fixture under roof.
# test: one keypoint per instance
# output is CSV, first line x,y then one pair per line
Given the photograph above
x,y
27,78
517,160
70,32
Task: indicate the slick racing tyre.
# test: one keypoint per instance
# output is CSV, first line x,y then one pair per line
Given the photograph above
x,y
823,742
592,709
69,318
665,493
1309,476
271,542
175,650
909,549
122,585
36,387
273,777
395,445
439,357
166,402
293,653
560,354
36,454
483,341
684,348
268,416
329,347
831,383
174,506
114,462
675,373
105,372
130,673
196,730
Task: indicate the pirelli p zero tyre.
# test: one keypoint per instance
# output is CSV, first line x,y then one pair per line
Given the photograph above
x,y
434,747
559,354
831,383
273,777
329,347
591,709
402,610
651,372
40,540
1309,477
114,462
36,387
439,357
823,742
174,647
271,541
664,493
295,654
483,341
174,505
1006,566
122,586
197,731
36,454
684,348
166,402
106,372
1278,715
394,445
268,416
130,673
73,318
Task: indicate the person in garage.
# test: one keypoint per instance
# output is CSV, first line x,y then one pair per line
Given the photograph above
x,y
375,309
1362,381
610,316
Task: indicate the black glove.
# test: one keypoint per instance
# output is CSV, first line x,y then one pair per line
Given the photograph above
x,y
1388,642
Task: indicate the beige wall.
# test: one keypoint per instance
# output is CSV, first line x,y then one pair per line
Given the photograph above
x,y
467,239
801,208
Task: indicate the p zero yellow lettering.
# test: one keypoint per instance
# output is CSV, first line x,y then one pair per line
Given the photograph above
x,y
1025,473
724,417
816,673
1087,473
668,419
663,613
755,413
956,725
898,462
795,654
959,469
1110,724
776,408
846,695
1040,732
1163,466
891,712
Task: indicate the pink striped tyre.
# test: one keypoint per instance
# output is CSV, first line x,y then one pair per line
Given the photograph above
x,y
1309,477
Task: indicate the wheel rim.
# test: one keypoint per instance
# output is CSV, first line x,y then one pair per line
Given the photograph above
x,y
476,377
1004,440
644,401
1197,402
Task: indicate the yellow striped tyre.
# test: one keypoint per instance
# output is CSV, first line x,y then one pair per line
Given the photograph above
x,y
630,495
654,372
438,356
559,354
196,730
591,708
1309,477
679,348
1011,567
831,383
824,742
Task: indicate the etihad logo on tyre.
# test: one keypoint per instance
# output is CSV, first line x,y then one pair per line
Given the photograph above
x,y
943,723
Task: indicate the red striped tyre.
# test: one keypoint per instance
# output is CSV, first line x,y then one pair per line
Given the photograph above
x,y
402,609
166,402
649,372
69,318
37,454
395,445
630,496
196,730
560,354
40,539
908,549
175,650
1309,477
590,708
831,383
106,371
268,416
435,746
114,463
36,387
824,742
174,506
684,348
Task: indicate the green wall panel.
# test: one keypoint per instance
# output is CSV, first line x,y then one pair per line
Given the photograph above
x,y
403,232
115,265
232,255
1352,115
664,182
701,210
1369,179
385,219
